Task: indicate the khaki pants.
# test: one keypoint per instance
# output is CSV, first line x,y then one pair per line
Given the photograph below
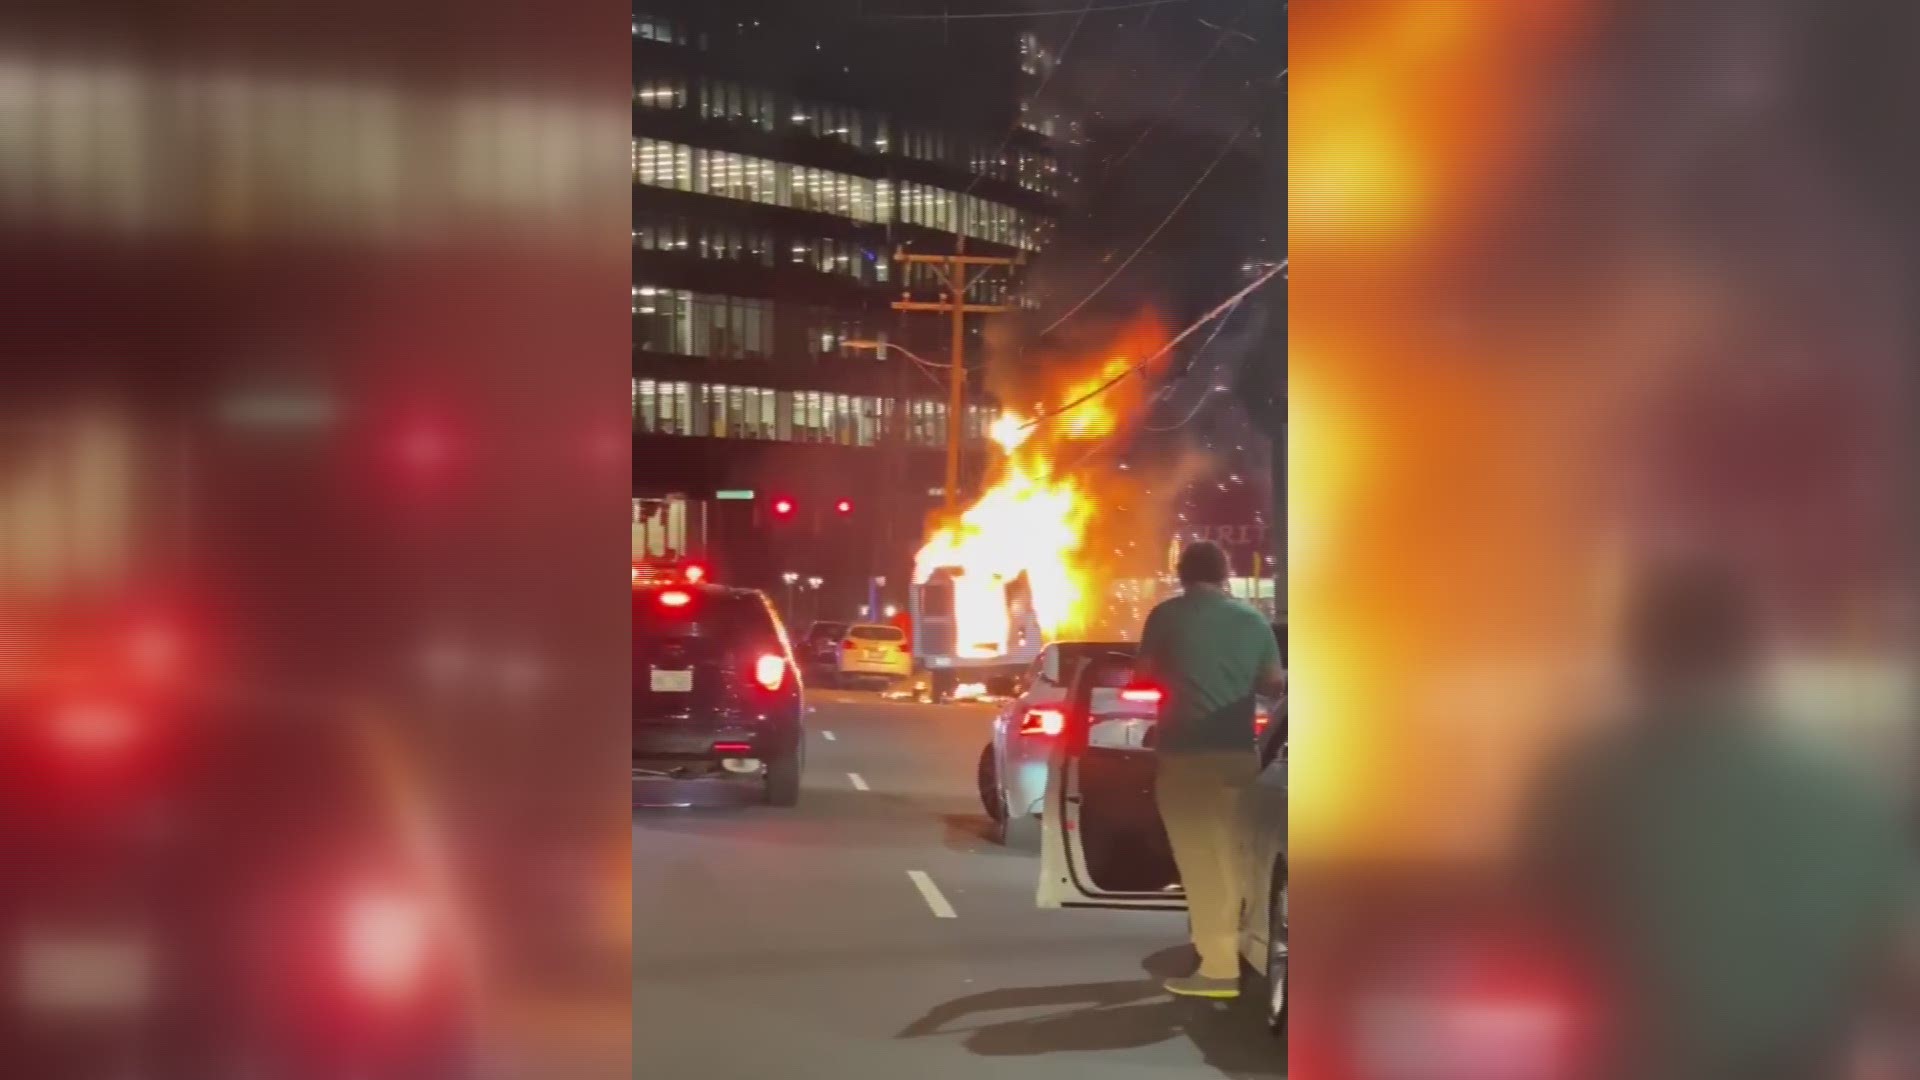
x,y
1199,797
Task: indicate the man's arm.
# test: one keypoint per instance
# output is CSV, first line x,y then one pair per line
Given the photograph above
x,y
1272,679
1149,645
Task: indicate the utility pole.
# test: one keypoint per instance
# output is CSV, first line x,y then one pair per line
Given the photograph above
x,y
953,273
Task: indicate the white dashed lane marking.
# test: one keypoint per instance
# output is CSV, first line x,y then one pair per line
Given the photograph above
x,y
859,784
932,895
827,735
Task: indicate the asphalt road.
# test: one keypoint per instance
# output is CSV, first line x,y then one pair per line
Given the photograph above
x,y
809,942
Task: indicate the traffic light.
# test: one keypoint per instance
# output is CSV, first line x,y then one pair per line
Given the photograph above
x,y
783,507
844,507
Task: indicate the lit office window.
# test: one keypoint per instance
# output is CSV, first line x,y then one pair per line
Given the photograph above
x,y
873,420
661,94
662,320
752,179
663,408
663,164
655,28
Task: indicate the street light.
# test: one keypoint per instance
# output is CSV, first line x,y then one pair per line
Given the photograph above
x,y
870,345
926,366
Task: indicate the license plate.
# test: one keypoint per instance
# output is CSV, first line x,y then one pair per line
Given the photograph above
x,y
672,682
876,654
83,973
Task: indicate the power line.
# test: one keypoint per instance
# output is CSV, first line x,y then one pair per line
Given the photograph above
x,y
1219,42
1059,61
1231,302
1089,9
1157,230
1206,396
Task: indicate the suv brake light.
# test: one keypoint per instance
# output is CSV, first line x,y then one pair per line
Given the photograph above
x,y
1146,694
1043,722
385,941
770,671
94,727
675,598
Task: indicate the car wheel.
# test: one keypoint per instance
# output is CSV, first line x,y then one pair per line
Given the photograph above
x,y
988,782
783,780
1019,832
1277,958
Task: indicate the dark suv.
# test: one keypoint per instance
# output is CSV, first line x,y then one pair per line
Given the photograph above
x,y
716,691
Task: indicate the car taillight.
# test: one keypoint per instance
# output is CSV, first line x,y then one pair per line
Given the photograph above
x,y
385,940
675,598
155,653
1260,721
1043,722
1148,695
770,671
694,573
849,644
94,727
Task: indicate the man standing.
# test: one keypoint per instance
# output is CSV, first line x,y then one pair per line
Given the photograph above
x,y
1749,895
1211,655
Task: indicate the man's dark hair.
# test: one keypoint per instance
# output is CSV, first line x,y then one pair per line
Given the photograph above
x,y
1693,620
1203,563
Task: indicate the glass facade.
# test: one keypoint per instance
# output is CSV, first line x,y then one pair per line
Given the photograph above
x,y
679,167
736,103
717,240
724,411
692,323
701,324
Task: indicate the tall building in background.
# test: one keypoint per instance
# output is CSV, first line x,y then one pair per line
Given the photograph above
x,y
779,161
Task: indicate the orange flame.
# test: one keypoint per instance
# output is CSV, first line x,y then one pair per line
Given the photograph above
x,y
1033,524
1026,526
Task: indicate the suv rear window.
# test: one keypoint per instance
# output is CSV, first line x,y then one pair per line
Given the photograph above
x,y
877,633
825,631
723,616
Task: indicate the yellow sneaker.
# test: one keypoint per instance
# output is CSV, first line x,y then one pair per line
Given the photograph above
x,y
1199,986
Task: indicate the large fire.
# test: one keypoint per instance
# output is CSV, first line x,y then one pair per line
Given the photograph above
x,y
1027,525
1032,524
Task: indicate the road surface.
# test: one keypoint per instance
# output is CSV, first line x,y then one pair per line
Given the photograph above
x,y
872,933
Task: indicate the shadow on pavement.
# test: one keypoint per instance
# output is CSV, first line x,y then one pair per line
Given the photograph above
x,y
1112,1016
972,834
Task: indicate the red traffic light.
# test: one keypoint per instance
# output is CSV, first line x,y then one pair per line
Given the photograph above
x,y
783,507
844,506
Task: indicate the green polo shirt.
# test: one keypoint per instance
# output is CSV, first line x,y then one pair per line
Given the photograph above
x,y
1206,650
1746,884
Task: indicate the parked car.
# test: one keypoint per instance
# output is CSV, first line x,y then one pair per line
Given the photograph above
x,y
820,649
873,652
1102,844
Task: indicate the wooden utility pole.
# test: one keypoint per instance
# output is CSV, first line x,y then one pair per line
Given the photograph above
x,y
953,272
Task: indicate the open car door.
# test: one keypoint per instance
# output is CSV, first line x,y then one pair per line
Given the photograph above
x,y
1102,844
